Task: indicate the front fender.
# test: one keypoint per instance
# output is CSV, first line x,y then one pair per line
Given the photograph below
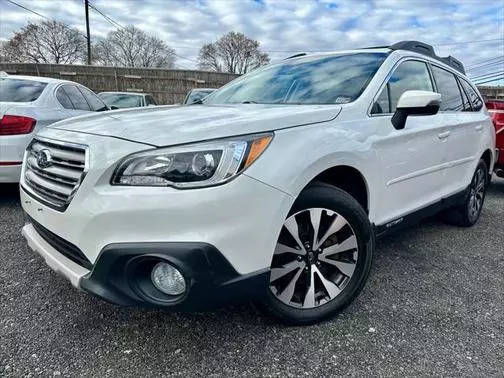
x,y
296,156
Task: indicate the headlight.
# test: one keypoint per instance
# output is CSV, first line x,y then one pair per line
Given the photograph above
x,y
193,165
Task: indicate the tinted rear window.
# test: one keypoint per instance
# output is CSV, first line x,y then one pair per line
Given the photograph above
x,y
16,90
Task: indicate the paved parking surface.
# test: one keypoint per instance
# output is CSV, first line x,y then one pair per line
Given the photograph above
x,y
434,304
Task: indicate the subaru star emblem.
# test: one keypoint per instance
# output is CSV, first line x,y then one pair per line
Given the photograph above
x,y
44,158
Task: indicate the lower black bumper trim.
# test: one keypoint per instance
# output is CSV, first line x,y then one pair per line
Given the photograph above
x,y
121,275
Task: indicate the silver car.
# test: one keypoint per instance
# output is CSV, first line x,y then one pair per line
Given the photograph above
x,y
29,103
195,95
122,100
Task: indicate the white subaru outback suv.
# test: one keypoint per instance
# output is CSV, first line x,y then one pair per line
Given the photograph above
x,y
274,188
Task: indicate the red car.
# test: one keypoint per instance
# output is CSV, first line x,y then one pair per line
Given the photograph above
x,y
496,109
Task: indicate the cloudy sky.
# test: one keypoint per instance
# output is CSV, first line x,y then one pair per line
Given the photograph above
x,y
471,30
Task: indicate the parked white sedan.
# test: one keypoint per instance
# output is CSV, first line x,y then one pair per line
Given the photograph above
x,y
29,103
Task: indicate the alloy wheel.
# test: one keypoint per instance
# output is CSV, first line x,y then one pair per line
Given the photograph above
x,y
477,194
314,259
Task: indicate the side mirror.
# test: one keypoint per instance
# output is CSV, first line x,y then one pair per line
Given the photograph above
x,y
415,103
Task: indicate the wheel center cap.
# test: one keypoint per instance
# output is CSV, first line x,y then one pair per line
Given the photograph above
x,y
311,257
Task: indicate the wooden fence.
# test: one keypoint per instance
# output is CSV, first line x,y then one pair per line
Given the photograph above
x,y
167,86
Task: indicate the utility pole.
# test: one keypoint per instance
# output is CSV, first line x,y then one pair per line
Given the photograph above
x,y
86,4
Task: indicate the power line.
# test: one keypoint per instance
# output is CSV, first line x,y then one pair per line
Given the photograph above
x,y
489,81
183,57
486,70
487,76
484,61
108,18
496,76
486,66
41,15
29,10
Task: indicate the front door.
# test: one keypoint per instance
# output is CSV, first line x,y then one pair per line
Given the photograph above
x,y
412,159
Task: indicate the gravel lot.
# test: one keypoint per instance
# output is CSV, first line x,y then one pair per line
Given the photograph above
x,y
434,305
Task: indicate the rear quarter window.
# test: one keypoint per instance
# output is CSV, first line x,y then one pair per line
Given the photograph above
x,y
96,104
18,90
474,98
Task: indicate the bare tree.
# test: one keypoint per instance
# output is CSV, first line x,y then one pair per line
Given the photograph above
x,y
132,47
234,53
45,42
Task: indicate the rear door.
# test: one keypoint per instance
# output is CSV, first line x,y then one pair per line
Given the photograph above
x,y
412,158
461,142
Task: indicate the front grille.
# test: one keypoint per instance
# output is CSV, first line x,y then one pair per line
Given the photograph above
x,y
64,247
56,181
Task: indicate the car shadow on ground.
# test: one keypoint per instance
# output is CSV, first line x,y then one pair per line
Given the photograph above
x,y
9,193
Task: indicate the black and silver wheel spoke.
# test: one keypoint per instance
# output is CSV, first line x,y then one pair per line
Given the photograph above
x,y
292,226
288,292
280,272
309,270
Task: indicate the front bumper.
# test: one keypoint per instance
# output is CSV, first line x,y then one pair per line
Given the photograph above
x,y
119,274
241,220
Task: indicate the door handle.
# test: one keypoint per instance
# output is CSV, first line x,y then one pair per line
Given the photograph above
x,y
479,127
444,135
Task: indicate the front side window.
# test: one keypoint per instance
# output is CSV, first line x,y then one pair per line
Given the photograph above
x,y
78,100
410,75
451,98
475,100
333,79
17,90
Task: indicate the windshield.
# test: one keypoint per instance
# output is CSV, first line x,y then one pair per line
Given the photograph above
x,y
17,90
121,100
197,94
335,79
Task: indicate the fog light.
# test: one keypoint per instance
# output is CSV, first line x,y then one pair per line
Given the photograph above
x,y
168,279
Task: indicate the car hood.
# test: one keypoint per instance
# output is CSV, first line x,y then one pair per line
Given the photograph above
x,y
169,125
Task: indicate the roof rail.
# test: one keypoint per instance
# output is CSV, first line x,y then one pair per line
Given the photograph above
x,y
425,49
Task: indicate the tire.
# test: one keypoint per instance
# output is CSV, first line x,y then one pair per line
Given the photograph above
x,y
328,278
465,214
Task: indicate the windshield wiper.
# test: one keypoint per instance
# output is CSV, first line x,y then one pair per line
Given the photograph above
x,y
250,102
